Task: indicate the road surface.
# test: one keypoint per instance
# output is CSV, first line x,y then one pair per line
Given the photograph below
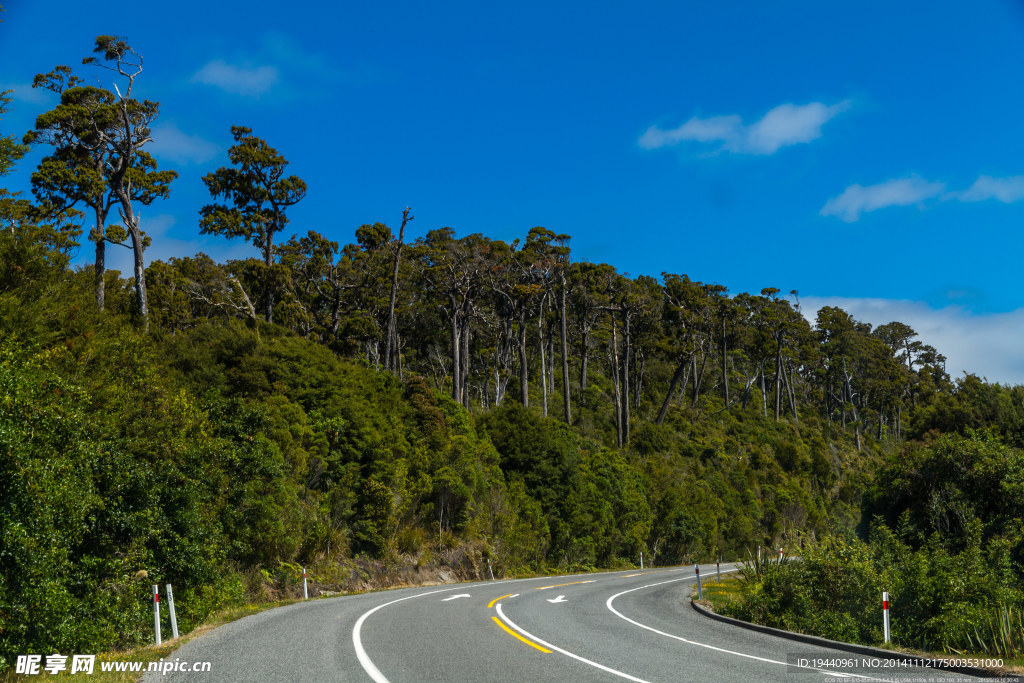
x,y
622,626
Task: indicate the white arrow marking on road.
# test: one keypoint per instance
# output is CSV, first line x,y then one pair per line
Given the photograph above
x,y
456,597
560,598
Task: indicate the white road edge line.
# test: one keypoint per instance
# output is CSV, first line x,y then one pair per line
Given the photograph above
x,y
565,652
357,641
619,614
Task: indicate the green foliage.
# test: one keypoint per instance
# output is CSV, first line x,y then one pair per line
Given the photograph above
x,y
947,486
945,544
10,150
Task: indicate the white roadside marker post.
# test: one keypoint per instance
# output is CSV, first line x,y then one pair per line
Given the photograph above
x,y
759,554
490,569
700,593
156,612
305,588
885,614
170,607
641,559
718,569
780,555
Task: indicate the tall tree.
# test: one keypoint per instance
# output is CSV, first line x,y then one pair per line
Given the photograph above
x,y
10,150
453,271
132,174
259,196
79,172
391,332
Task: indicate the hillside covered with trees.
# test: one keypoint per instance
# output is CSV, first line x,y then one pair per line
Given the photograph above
x,y
398,403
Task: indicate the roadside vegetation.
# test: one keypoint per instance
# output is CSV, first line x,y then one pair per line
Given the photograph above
x,y
945,541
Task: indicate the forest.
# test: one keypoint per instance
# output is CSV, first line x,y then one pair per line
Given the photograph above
x,y
394,405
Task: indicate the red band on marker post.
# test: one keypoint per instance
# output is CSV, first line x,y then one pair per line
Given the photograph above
x,y
885,604
156,597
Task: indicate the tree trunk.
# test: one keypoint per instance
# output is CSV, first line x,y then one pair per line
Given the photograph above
x,y
101,270
584,359
524,385
625,380
725,371
778,376
764,395
684,366
615,383
456,352
565,357
551,358
749,383
388,347
398,355
638,385
699,379
464,375
268,262
543,363
131,223
789,391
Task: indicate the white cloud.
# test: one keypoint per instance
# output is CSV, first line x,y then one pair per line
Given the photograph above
x,y
987,345
24,92
858,199
165,246
790,124
170,142
712,129
1006,190
156,225
783,126
237,80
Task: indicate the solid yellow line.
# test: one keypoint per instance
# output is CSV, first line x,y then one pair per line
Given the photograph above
x,y
491,603
510,631
659,571
571,583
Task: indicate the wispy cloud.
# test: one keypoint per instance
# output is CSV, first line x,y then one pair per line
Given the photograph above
x,y
238,79
170,142
711,129
24,92
1006,190
912,190
986,345
161,227
783,126
858,199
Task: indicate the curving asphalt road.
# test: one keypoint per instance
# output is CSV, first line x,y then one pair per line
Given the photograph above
x,y
622,626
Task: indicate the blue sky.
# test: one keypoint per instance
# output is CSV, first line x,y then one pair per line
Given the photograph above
x,y
869,153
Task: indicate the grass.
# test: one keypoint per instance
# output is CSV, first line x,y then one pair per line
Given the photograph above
x,y
719,596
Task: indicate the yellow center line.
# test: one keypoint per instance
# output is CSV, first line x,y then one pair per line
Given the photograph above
x,y
571,583
511,632
491,603
659,571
